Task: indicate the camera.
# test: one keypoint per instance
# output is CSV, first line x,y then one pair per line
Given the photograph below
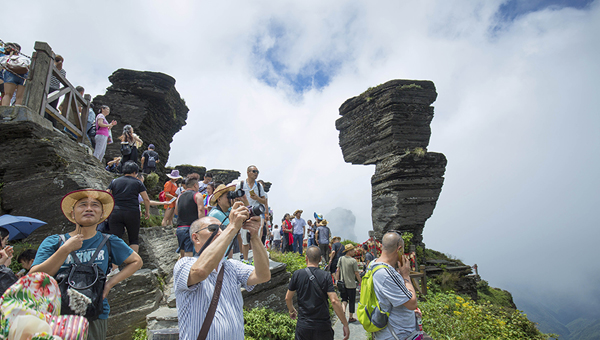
x,y
256,210
235,194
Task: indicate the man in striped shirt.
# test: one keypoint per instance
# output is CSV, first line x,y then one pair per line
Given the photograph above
x,y
195,277
394,291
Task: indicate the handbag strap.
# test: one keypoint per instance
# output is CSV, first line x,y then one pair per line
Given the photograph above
x,y
312,277
213,306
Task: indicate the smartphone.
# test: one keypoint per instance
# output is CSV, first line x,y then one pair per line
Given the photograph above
x,y
401,258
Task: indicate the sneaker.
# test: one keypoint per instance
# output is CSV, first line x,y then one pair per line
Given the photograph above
x,y
113,273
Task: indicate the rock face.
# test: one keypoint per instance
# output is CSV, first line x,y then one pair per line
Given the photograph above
x,y
389,126
149,102
38,166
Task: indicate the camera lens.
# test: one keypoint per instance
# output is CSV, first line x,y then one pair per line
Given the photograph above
x,y
256,210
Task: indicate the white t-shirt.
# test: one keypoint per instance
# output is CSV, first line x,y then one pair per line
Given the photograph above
x,y
276,234
246,188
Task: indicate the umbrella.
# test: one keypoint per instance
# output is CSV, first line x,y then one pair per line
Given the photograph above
x,y
19,227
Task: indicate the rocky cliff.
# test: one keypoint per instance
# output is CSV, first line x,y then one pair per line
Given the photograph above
x,y
389,126
38,166
149,102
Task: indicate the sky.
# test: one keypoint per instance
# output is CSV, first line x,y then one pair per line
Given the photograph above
x,y
516,112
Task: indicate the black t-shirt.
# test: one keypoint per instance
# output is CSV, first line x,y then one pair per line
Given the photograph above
x,y
146,156
125,190
313,305
369,257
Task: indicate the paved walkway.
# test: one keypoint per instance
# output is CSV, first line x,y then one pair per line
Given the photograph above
x,y
357,332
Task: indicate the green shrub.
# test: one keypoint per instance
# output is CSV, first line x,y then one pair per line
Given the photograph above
x,y
139,334
493,295
153,221
263,323
151,180
294,261
345,242
450,316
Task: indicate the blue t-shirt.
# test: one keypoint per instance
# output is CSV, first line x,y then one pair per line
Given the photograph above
x,y
119,252
219,215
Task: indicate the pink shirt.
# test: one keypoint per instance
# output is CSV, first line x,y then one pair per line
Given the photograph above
x,y
99,129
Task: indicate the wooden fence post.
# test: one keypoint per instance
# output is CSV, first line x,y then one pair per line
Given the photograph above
x,y
36,89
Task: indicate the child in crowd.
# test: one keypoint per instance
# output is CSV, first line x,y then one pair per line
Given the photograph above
x,y
26,260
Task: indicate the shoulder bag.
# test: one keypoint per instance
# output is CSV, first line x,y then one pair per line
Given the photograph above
x,y
210,314
340,283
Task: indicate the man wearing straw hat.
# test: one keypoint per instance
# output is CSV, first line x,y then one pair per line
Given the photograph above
x,y
86,209
347,272
221,206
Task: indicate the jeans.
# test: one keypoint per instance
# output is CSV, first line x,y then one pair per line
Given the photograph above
x,y
298,240
310,242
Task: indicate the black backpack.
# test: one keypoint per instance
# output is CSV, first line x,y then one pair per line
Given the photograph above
x,y
83,279
125,149
151,161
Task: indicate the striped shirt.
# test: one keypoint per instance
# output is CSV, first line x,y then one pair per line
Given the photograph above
x,y
193,302
392,294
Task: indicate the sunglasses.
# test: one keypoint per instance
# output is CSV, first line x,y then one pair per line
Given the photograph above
x,y
212,228
255,171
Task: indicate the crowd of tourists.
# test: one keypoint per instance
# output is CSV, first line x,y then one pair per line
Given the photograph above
x,y
217,225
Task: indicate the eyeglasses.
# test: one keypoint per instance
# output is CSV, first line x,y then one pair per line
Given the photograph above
x,y
255,171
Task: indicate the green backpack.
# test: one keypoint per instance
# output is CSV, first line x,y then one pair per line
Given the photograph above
x,y
369,313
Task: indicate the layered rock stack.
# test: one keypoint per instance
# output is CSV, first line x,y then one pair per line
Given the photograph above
x,y
149,102
389,126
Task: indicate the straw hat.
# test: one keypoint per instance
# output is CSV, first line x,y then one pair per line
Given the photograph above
x,y
219,191
298,211
69,200
324,222
336,238
349,247
174,174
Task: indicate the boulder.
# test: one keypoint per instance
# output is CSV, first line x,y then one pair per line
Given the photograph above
x,y
130,301
149,102
157,250
38,166
270,294
389,126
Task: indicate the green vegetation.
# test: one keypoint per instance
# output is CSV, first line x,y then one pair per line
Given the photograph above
x,y
263,323
153,221
151,180
139,334
493,295
450,316
294,261
345,242
409,87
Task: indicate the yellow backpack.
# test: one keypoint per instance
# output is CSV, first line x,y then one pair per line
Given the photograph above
x,y
369,313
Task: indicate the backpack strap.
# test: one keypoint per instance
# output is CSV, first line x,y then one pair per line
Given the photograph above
x,y
312,278
102,243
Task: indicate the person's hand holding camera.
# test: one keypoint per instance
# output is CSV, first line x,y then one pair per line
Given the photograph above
x,y
238,215
252,225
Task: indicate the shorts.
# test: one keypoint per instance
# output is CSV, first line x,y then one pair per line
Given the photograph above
x,y
184,240
10,77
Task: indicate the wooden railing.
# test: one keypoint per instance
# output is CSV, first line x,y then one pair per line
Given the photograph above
x,y
37,90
